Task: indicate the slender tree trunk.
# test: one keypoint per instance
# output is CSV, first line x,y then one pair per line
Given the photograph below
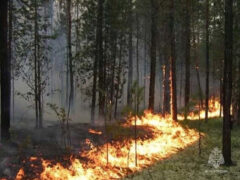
x,y
153,50
100,58
187,59
94,89
166,86
114,50
145,64
130,58
227,86
238,113
181,84
199,86
118,79
95,77
10,24
207,61
221,94
69,40
39,91
173,65
36,83
160,78
137,52
5,73
197,67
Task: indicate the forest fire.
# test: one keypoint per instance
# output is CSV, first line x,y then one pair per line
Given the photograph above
x,y
169,138
214,111
116,159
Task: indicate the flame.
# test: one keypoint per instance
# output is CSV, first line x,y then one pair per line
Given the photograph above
x,y
20,174
92,131
168,138
33,158
214,111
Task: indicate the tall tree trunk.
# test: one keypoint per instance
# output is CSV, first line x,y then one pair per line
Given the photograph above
x,y
100,58
187,59
195,41
181,84
207,61
39,91
145,64
173,64
94,89
113,63
130,57
137,51
5,73
166,86
10,24
160,62
153,50
221,94
118,79
70,64
227,86
36,83
238,113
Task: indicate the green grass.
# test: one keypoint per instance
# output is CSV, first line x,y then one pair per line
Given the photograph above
x,y
187,164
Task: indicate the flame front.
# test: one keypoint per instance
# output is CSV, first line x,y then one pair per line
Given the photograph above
x,y
214,111
168,138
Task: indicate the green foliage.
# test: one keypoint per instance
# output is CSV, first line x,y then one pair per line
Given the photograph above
x,y
137,98
64,122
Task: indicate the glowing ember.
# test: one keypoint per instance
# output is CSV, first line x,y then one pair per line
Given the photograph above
x,y
92,131
33,158
168,138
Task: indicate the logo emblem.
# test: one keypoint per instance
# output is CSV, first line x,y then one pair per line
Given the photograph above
x,y
216,158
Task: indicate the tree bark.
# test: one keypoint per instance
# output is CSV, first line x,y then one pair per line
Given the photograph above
x,y
153,50
166,86
130,57
227,82
10,25
70,64
100,58
207,61
173,64
5,73
36,83
187,59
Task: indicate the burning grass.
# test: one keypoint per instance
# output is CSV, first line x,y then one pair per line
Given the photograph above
x,y
166,138
157,138
188,164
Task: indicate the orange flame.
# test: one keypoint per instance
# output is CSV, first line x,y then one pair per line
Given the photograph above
x,y
20,174
33,158
92,131
168,138
214,111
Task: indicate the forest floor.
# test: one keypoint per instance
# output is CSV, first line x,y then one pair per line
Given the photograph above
x,y
188,165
